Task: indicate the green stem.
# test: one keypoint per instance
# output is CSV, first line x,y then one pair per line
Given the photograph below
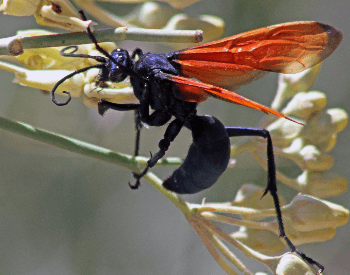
x,y
80,147
97,152
16,44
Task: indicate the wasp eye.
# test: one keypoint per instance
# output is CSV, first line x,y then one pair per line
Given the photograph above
x,y
117,65
117,75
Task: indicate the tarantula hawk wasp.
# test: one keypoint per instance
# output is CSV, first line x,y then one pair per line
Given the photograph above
x,y
164,83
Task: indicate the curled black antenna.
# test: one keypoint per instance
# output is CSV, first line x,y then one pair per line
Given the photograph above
x,y
72,53
67,77
75,48
64,52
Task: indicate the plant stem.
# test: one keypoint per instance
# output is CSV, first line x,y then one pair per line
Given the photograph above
x,y
16,44
78,146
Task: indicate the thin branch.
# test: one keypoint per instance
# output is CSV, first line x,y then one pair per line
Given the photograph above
x,y
217,231
217,207
234,221
78,146
206,238
16,44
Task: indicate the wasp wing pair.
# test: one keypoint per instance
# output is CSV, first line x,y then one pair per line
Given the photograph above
x,y
238,60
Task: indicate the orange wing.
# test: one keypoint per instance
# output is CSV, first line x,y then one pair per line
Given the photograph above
x,y
202,90
240,59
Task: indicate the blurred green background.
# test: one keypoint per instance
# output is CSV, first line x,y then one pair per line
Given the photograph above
x,y
61,213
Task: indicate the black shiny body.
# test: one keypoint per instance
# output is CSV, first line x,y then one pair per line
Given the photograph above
x,y
209,153
207,157
149,70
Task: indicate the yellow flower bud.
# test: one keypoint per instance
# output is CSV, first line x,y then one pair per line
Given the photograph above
x,y
322,126
151,15
307,157
310,213
213,27
291,84
90,102
298,237
304,104
249,195
180,4
122,95
50,58
311,158
339,118
327,144
263,241
321,235
291,264
19,7
322,184
120,92
284,131
46,79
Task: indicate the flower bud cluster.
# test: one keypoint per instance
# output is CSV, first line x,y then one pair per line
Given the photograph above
x,y
306,219
307,145
43,68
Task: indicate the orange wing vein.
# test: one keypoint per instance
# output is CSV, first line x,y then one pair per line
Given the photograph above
x,y
240,59
221,93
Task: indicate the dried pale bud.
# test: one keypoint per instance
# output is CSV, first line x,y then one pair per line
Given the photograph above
x,y
249,195
151,15
213,27
263,241
309,213
291,264
321,184
322,126
46,79
19,7
304,104
284,131
61,14
291,84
